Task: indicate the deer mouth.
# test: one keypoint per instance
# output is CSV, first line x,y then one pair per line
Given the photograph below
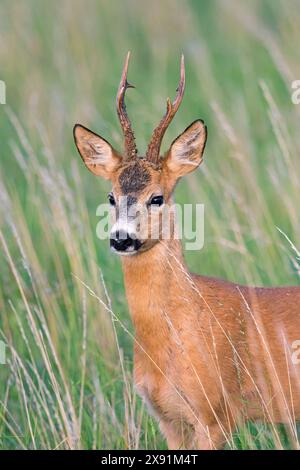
x,y
127,246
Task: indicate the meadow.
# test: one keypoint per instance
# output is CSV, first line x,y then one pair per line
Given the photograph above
x,y
66,382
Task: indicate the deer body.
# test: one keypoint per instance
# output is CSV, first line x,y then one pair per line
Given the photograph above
x,y
208,353
200,361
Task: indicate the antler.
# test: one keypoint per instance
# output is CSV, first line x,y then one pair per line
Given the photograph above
x,y
130,146
153,150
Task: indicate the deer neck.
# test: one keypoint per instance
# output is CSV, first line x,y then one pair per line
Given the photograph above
x,y
154,281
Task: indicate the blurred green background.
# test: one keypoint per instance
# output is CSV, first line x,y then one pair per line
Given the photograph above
x,y
63,315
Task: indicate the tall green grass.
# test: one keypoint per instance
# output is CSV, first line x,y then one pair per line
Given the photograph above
x,y
64,319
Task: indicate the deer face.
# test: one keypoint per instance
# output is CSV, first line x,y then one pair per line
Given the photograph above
x,y
142,186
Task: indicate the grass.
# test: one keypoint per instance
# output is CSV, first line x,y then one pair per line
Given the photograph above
x,y
64,319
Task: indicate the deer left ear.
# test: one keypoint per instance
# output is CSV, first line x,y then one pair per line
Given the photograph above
x,y
185,153
98,155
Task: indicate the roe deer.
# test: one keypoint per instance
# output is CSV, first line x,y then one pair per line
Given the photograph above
x,y
209,354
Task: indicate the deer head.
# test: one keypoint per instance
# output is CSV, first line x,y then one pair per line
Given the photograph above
x,y
141,186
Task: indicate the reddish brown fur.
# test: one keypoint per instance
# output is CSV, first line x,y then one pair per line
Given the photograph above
x,y
201,357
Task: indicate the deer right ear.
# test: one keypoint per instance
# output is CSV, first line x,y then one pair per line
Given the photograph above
x,y
185,153
97,154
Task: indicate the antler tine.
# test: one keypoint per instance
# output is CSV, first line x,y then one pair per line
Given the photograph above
x,y
130,146
153,150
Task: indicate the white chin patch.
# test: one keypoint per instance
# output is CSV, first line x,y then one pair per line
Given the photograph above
x,y
129,252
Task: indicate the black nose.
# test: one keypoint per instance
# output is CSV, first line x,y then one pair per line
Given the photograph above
x,y
121,241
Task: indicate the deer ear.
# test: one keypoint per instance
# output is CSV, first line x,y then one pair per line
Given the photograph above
x,y
97,154
185,153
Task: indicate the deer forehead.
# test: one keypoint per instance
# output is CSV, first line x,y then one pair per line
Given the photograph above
x,y
136,177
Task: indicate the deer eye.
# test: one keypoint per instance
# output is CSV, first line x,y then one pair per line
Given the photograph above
x,y
111,199
156,201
